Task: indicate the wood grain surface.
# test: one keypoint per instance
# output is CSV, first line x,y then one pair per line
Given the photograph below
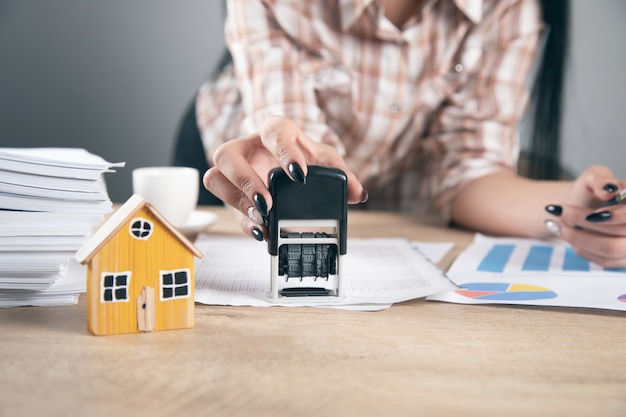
x,y
417,358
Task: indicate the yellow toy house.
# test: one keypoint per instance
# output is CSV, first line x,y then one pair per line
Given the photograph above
x,y
140,274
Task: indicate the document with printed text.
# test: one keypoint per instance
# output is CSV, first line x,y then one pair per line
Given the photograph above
x,y
376,273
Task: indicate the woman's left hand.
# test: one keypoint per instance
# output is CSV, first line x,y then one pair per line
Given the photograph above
x,y
596,233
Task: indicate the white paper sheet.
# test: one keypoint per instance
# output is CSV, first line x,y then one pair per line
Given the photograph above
x,y
435,251
56,162
64,291
377,273
532,272
51,199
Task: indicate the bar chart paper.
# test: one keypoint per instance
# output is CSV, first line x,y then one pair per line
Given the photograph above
x,y
532,272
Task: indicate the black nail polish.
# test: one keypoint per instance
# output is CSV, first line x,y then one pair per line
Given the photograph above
x,y
297,173
555,210
610,187
260,204
257,233
599,217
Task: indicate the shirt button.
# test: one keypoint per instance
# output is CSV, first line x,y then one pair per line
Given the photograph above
x,y
394,108
459,68
375,164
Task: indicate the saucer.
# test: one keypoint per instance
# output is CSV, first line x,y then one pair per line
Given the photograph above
x,y
198,221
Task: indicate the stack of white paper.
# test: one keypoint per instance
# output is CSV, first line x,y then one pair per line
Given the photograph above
x,y
51,200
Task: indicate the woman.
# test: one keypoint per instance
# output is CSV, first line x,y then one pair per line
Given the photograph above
x,y
419,102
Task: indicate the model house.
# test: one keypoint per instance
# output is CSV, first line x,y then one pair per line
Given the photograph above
x,y
140,274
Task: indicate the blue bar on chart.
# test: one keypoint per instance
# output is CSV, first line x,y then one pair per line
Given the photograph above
x,y
619,270
574,262
538,258
496,259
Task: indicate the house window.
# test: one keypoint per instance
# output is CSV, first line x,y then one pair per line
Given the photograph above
x,y
175,284
141,228
114,287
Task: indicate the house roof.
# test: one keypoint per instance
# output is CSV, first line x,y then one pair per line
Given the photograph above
x,y
115,222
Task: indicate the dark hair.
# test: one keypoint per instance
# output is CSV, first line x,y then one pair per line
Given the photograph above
x,y
546,95
225,60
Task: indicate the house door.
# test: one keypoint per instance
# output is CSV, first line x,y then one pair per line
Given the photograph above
x,y
145,310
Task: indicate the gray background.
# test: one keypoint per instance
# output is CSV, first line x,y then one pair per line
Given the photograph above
x,y
114,77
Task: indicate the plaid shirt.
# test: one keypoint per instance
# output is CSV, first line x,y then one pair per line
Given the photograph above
x,y
416,112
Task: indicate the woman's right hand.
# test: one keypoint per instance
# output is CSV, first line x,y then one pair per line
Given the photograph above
x,y
241,166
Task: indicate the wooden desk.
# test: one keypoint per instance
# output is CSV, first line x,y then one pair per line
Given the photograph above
x,y
416,358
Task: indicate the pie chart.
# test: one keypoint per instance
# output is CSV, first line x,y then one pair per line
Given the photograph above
x,y
504,291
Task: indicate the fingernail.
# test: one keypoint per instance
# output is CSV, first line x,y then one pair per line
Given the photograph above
x,y
297,173
255,216
364,196
260,204
553,227
610,187
257,233
555,210
599,217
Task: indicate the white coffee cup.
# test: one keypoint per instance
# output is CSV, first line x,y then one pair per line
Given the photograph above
x,y
173,191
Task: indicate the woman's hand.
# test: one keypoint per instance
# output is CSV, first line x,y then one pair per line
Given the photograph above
x,y
241,166
596,233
